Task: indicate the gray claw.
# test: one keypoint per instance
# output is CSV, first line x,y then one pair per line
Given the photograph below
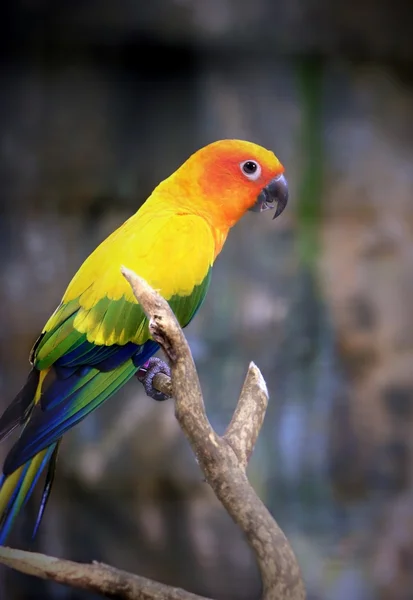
x,y
147,372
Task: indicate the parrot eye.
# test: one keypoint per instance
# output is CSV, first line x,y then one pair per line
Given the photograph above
x,y
251,169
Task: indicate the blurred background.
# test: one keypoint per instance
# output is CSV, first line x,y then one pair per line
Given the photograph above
x,y
101,100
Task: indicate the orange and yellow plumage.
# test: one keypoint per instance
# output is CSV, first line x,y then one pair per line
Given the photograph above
x,y
98,336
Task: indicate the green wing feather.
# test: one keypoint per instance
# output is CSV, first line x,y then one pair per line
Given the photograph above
x,y
64,402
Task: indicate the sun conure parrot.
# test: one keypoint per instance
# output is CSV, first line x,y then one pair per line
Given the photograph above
x,y
98,337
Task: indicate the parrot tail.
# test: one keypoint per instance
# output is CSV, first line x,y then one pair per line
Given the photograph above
x,y
52,401
16,487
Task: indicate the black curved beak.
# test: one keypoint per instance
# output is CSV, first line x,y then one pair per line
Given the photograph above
x,y
275,194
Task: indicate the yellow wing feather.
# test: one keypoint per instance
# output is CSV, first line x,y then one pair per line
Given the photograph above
x,y
172,252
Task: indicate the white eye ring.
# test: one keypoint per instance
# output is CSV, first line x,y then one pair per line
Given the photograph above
x,y
251,169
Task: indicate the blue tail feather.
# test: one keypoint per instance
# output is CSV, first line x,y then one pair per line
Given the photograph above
x,y
11,510
47,489
69,392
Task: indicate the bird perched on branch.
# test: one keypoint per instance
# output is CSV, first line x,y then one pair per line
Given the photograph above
x,y
98,337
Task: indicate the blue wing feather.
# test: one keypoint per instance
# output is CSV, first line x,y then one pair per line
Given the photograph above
x,y
77,376
65,402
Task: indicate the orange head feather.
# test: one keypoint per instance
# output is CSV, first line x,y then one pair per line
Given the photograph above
x,y
225,179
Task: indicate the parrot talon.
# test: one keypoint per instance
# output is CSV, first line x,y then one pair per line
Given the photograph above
x,y
146,374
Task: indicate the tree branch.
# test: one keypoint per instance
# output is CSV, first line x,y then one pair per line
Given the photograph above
x,y
246,423
218,457
223,461
97,577
163,384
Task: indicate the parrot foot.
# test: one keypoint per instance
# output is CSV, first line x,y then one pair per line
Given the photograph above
x,y
147,372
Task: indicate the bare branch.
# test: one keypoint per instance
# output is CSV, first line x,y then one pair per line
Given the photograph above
x,y
163,384
219,462
223,461
165,329
246,423
96,577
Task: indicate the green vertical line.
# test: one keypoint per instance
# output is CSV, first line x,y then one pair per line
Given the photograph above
x,y
310,80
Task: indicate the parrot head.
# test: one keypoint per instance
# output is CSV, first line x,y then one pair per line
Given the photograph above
x,y
229,177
